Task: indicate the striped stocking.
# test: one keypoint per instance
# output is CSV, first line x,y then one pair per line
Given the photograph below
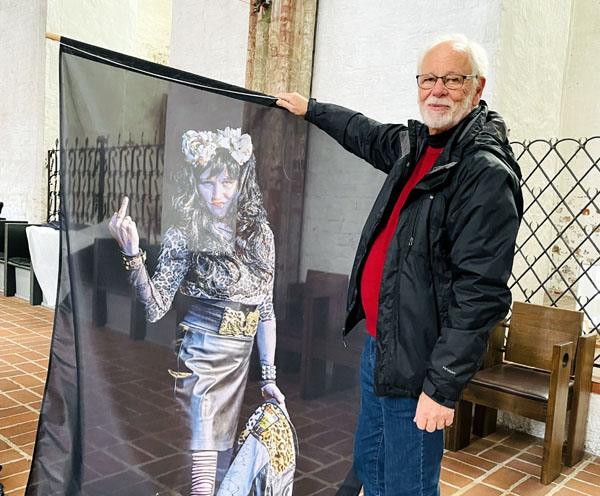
x,y
204,469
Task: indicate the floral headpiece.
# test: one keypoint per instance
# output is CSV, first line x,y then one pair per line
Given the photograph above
x,y
200,146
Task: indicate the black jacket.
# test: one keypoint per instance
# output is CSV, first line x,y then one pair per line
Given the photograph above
x,y
444,283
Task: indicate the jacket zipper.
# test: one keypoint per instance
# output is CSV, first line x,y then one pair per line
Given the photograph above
x,y
411,240
413,229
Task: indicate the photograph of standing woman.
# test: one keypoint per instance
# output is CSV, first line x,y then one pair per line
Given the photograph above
x,y
220,253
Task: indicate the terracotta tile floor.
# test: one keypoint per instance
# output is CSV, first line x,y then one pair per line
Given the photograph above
x,y
25,333
505,463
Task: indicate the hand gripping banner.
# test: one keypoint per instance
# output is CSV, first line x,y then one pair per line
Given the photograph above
x,y
197,339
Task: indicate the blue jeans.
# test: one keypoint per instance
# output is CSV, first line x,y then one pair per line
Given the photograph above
x,y
392,456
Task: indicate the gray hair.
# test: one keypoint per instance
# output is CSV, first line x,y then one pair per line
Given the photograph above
x,y
477,55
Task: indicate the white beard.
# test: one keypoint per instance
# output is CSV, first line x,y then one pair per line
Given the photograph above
x,y
441,121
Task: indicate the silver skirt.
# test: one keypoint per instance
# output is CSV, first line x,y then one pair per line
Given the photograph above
x,y
211,379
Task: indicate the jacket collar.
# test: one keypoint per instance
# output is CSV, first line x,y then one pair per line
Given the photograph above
x,y
482,127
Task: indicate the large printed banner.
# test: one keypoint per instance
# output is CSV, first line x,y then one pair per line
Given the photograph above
x,y
157,359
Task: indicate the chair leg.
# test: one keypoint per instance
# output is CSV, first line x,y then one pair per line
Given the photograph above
x,y
458,435
306,360
557,412
484,421
581,399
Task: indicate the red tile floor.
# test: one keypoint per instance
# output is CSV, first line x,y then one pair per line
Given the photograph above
x,y
25,333
505,463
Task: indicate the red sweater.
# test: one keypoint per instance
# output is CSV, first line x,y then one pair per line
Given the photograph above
x,y
373,270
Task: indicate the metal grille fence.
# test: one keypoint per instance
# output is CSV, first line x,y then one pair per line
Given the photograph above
x,y
100,174
53,185
557,259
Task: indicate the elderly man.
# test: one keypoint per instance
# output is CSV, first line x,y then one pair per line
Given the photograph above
x,y
432,264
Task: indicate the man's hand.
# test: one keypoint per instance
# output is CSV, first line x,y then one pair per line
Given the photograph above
x,y
431,415
294,102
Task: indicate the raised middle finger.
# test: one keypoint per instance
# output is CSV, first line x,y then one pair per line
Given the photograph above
x,y
123,208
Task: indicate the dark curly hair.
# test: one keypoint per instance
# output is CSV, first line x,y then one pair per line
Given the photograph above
x,y
217,264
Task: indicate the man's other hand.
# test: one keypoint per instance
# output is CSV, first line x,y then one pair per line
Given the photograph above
x,y
431,415
294,102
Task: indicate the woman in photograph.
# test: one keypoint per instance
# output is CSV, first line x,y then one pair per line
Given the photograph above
x,y
220,254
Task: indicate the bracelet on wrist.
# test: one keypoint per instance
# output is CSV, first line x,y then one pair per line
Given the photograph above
x,y
268,372
134,261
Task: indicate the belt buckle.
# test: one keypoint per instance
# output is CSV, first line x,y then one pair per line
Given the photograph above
x,y
236,323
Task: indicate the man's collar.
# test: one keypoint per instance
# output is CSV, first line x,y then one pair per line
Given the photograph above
x,y
439,140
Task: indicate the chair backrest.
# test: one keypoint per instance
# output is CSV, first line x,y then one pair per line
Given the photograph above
x,y
325,297
294,308
535,329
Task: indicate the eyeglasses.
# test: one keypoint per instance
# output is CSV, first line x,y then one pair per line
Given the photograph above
x,y
451,81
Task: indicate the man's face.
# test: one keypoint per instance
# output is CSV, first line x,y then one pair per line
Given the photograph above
x,y
440,107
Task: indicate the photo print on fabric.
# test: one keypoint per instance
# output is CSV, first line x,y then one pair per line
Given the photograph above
x,y
196,254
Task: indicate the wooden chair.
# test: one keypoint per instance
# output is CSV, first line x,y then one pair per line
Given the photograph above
x,y
545,372
322,346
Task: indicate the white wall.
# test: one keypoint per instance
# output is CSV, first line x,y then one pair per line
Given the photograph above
x,y
365,55
580,113
365,59
531,63
29,86
141,28
210,38
22,173
153,30
105,23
